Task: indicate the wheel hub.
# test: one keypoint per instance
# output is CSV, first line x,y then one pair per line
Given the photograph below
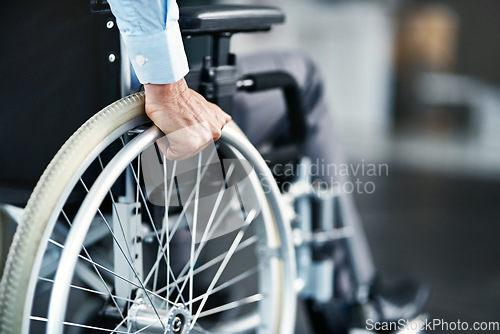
x,y
176,320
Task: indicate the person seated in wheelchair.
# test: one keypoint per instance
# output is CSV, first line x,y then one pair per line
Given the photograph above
x,y
152,36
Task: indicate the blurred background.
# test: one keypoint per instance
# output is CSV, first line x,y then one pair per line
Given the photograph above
x,y
415,85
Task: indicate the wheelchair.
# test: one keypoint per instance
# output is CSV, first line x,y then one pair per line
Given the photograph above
x,y
117,239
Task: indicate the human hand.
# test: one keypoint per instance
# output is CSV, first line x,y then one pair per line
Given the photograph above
x,y
190,122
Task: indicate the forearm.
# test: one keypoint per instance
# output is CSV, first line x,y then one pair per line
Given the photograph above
x,y
152,36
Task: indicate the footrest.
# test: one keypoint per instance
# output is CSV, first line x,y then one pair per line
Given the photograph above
x,y
201,20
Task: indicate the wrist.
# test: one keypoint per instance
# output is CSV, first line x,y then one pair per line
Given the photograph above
x,y
166,91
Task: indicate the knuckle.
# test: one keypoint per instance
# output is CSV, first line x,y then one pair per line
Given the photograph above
x,y
217,134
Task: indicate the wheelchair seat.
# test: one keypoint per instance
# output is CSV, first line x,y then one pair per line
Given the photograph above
x,y
199,20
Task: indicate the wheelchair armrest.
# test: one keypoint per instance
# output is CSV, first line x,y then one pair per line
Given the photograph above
x,y
200,20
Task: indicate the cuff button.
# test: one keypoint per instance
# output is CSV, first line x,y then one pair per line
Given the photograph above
x,y
140,59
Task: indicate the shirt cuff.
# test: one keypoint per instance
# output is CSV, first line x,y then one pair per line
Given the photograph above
x,y
158,58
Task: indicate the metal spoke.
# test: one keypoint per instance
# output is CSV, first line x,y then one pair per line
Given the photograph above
x,y
229,306
67,323
198,250
206,235
151,272
87,290
179,219
143,287
120,324
248,242
232,249
228,283
117,215
190,198
115,274
113,300
166,223
193,233
165,229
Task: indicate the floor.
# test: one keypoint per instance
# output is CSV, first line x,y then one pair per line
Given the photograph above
x,y
440,228
443,229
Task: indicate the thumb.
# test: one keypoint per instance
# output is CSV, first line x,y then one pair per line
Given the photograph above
x,y
163,145
169,153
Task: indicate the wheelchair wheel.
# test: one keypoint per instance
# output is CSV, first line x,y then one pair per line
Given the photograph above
x,y
116,239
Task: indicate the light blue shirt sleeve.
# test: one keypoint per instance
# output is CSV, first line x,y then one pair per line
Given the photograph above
x,y
151,33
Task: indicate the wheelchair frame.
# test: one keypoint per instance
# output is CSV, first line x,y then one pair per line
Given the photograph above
x,y
311,279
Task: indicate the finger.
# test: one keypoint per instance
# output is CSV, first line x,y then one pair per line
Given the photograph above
x,y
221,120
217,134
171,155
179,156
223,116
163,144
202,147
